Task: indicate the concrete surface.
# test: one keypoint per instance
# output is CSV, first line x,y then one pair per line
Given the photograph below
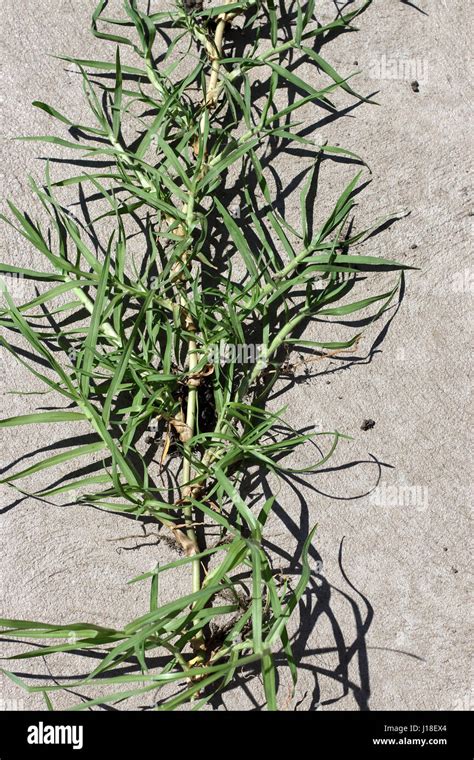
x,y
387,626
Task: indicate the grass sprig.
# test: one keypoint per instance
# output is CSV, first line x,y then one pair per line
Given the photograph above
x,y
131,342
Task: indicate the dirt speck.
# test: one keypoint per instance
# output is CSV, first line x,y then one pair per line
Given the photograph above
x,y
367,425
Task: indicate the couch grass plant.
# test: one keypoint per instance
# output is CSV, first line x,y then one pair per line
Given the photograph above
x,y
129,341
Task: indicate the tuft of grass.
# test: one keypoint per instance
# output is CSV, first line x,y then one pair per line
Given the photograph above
x,y
131,340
